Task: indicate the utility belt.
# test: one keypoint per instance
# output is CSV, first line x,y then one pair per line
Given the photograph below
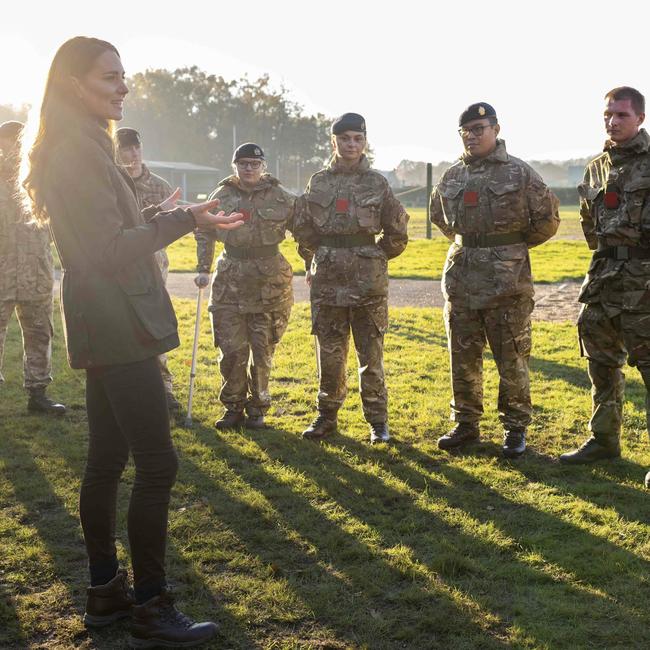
x,y
487,240
347,241
622,253
251,252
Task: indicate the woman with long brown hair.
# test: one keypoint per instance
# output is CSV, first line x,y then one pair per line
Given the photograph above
x,y
118,318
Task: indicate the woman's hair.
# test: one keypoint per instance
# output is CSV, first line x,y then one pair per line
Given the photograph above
x,y
61,110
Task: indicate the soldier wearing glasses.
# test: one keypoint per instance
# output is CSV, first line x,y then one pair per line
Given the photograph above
x,y
493,207
614,324
252,294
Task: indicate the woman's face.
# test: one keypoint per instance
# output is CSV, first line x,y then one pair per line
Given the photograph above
x,y
349,145
102,89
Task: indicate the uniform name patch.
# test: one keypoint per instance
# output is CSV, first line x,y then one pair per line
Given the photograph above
x,y
612,200
342,205
470,199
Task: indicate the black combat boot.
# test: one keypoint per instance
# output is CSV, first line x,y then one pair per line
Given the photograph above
x,y
158,623
108,603
591,451
379,432
230,420
462,434
39,402
255,422
514,442
323,426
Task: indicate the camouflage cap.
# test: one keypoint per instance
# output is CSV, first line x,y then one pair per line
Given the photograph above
x,y
127,137
248,150
11,129
348,122
476,112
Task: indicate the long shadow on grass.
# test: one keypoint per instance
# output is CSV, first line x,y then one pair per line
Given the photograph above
x,y
115,636
46,512
566,545
348,586
344,484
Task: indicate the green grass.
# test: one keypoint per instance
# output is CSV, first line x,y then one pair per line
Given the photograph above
x,y
556,261
294,545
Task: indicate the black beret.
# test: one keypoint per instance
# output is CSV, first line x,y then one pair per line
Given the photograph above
x,y
127,137
476,112
348,122
248,150
11,129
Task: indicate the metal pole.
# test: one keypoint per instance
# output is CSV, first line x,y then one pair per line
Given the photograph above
x,y
429,190
195,349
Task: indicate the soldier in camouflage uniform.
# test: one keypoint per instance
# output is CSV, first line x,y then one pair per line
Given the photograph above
x,y
344,208
493,207
252,294
151,190
614,324
26,280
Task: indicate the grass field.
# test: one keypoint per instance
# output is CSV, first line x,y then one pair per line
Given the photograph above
x,y
556,261
300,546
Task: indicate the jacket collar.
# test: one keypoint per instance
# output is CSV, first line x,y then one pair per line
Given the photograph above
x,y
265,182
498,155
639,144
335,166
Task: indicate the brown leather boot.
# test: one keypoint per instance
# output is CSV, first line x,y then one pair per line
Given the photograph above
x,y
108,603
230,421
462,434
158,623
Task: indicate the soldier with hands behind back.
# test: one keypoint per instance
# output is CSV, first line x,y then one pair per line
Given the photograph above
x,y
252,293
345,207
26,279
614,324
493,207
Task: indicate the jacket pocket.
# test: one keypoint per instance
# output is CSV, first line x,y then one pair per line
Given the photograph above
x,y
319,207
368,210
507,206
273,221
511,266
452,203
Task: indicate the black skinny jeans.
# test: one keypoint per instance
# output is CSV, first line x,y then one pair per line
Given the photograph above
x,y
127,410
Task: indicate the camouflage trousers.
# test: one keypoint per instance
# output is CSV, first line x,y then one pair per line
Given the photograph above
x,y
507,329
35,319
332,326
247,343
607,342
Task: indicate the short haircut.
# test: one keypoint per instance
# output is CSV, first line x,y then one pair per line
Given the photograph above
x,y
626,92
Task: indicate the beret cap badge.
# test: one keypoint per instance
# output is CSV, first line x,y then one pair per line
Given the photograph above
x,y
481,111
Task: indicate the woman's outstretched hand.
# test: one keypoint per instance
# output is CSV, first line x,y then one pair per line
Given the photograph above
x,y
207,220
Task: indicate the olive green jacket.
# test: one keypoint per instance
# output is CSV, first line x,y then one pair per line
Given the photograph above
x,y
115,307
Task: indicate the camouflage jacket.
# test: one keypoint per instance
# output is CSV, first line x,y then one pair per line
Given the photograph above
x,y
495,195
153,190
341,201
615,211
26,267
253,285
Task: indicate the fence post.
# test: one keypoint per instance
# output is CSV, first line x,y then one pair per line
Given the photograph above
x,y
429,189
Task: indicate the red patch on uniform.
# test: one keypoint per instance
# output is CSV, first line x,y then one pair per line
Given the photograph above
x,y
470,199
245,215
342,205
612,200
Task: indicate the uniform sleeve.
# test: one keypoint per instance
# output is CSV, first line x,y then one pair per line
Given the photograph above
x,y
303,230
437,215
543,211
586,215
394,222
205,240
81,180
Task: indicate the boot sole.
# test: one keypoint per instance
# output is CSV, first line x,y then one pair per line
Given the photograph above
x,y
569,461
89,620
134,642
459,445
317,438
510,455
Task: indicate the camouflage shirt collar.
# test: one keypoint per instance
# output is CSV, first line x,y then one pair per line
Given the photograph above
x,y
640,143
144,176
264,183
498,155
335,166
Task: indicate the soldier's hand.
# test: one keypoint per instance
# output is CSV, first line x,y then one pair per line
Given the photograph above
x,y
208,221
170,202
202,280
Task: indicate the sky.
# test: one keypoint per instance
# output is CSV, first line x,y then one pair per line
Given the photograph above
x,y
409,67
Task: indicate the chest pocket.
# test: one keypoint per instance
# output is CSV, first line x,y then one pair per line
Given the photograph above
x,y
368,210
452,201
273,220
507,206
637,201
320,204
